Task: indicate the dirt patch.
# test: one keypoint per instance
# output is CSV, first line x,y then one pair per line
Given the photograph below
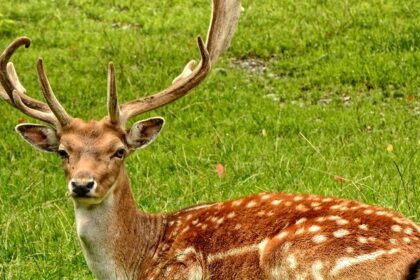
x,y
252,65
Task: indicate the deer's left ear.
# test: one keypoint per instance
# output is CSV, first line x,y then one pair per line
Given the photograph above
x,y
143,133
40,136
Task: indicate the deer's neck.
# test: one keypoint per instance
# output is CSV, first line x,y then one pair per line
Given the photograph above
x,y
117,240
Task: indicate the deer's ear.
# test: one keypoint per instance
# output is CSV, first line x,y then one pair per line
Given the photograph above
x,y
40,136
143,133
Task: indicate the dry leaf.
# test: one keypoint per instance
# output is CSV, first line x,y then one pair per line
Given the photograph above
x,y
390,148
410,98
220,170
339,179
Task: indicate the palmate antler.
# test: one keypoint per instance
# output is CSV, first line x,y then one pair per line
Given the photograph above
x,y
225,16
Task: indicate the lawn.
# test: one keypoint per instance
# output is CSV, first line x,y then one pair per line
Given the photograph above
x,y
312,97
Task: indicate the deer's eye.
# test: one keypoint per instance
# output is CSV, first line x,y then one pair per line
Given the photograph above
x,y
63,154
119,153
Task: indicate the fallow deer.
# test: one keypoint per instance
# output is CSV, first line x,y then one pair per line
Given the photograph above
x,y
264,236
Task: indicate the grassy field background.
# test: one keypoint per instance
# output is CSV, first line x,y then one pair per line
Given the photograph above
x,y
313,97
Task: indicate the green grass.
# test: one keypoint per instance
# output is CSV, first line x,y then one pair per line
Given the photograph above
x,y
332,84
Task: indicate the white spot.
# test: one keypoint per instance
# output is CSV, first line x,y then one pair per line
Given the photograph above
x,y
301,220
282,235
362,239
318,208
261,213
302,208
238,226
237,202
334,218
188,217
363,227
372,239
320,219
319,238
220,221
393,251
276,202
341,233
368,211
231,215
251,204
349,250
380,213
298,198
328,199
356,220
346,262
300,231
265,196
396,228
314,228
316,270
342,222
271,213
393,241
204,226
335,207
291,260
315,204
407,240
408,231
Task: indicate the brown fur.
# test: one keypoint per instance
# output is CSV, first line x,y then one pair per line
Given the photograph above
x,y
265,236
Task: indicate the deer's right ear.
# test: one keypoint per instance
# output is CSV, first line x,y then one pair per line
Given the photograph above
x,y
40,136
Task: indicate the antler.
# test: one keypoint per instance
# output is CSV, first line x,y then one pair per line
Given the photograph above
x,y
225,16
14,93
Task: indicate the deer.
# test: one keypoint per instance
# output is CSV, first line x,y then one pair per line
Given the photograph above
x,y
260,236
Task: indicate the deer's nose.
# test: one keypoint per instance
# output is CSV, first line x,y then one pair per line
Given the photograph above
x,y
81,187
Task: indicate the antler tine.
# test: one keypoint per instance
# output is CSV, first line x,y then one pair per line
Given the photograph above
x,y
62,116
43,116
113,108
225,16
9,80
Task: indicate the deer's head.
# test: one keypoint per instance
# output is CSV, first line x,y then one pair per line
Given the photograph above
x,y
93,152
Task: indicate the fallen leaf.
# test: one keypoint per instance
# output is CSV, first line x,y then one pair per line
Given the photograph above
x,y
339,179
410,98
264,132
390,148
220,170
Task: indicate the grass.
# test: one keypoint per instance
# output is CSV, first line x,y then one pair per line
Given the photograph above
x,y
309,92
